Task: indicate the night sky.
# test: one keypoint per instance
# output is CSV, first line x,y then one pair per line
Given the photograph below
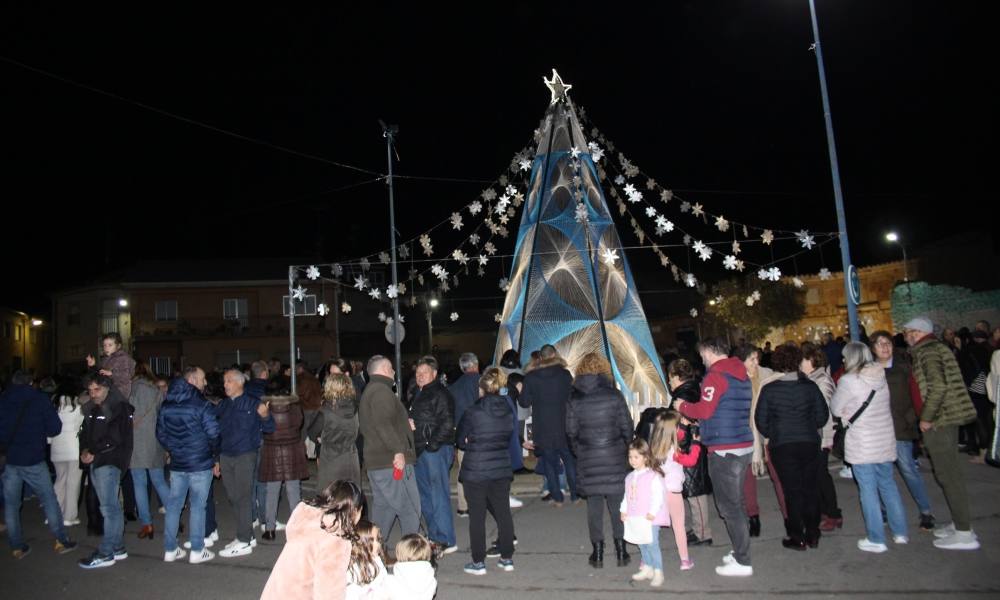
x,y
718,101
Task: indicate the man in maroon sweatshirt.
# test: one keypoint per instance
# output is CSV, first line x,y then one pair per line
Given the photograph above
x,y
724,418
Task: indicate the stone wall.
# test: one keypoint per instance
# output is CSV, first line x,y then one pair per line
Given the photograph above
x,y
948,306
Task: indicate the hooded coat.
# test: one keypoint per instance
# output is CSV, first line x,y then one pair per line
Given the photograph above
x,y
146,451
313,562
484,434
187,428
871,438
599,427
283,454
546,392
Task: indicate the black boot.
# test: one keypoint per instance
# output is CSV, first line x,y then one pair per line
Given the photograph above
x,y
596,558
755,526
621,554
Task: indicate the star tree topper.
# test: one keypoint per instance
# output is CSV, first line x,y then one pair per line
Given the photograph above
x,y
557,87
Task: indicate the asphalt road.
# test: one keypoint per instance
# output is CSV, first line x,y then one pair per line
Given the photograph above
x,y
551,560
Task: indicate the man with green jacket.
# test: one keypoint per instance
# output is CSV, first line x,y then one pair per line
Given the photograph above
x,y
388,451
946,406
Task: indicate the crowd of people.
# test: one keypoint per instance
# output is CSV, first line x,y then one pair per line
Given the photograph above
x,y
735,413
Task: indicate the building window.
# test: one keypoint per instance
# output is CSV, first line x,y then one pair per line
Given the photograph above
x,y
6,329
17,333
73,314
305,308
166,310
33,337
160,365
235,309
109,316
225,360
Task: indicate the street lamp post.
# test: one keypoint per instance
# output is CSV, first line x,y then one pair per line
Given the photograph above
x,y
431,304
893,237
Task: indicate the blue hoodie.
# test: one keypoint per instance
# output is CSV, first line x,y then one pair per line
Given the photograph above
x,y
187,428
240,425
40,421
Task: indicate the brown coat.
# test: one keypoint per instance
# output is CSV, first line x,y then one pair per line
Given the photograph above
x,y
283,456
309,391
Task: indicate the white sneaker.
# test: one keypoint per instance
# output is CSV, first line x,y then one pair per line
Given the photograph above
x,y
515,503
71,523
253,543
960,540
729,558
449,550
944,531
256,523
643,574
734,569
279,526
235,550
209,542
200,557
900,540
658,578
869,546
177,554
214,536
846,473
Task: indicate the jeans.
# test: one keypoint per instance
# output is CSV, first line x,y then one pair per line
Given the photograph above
x,y
875,482
550,460
434,485
391,499
595,516
67,486
139,482
911,475
197,483
797,467
493,496
238,478
37,476
107,481
651,555
293,493
728,474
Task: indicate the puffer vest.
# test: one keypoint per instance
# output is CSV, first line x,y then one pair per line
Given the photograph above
x,y
730,424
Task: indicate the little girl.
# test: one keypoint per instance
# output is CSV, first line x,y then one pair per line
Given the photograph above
x,y
413,574
672,462
644,500
366,575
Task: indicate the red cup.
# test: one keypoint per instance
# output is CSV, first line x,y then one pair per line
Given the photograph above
x,y
397,474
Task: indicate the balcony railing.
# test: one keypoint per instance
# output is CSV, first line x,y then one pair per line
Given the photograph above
x,y
228,328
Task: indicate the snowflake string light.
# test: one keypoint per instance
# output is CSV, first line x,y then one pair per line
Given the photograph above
x,y
461,257
630,189
360,283
740,265
745,232
762,274
345,308
489,194
504,284
444,287
322,310
483,260
722,223
510,190
437,269
704,252
382,317
729,262
619,180
650,184
454,316
384,258
694,313
574,152
805,239
312,272
518,199
797,282
650,212
756,295
475,208
609,256
750,301
490,248
690,280
338,270
480,271
474,239
767,237
664,259
697,210
456,221
581,213
365,265
525,165
391,291
666,196
503,231
736,247
685,206
774,274
498,318
401,289
299,293
597,154
824,274
687,240
404,252
375,294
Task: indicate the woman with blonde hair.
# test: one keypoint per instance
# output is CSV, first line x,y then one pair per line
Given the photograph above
x,y
599,428
337,428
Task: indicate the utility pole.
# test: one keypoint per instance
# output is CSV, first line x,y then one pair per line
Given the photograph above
x,y
389,132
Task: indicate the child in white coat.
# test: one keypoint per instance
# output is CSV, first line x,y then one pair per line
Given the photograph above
x,y
413,574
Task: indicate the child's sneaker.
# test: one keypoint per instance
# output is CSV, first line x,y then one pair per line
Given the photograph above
x,y
657,578
506,564
687,565
475,568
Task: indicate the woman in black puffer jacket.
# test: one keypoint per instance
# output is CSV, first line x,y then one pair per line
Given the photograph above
x,y
791,411
483,434
599,428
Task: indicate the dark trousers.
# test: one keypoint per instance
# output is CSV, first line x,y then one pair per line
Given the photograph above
x,y
595,516
128,496
550,461
827,492
797,467
728,473
95,522
239,477
495,496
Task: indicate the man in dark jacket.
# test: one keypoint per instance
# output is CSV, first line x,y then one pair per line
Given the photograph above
x,y
389,454
465,390
546,392
432,420
106,446
257,387
27,418
188,430
242,421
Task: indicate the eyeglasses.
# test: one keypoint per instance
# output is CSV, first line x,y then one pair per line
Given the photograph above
x,y
883,343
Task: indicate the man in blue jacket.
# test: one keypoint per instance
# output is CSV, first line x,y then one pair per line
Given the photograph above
x,y
188,430
242,420
466,393
27,418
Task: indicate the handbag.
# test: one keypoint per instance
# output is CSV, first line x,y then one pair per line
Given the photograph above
x,y
840,427
17,425
638,530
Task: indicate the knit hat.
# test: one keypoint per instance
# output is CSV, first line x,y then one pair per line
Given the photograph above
x,y
919,324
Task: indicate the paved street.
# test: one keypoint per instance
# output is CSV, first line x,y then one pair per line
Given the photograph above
x,y
551,560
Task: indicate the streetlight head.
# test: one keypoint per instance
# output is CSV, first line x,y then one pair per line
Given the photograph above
x,y
892,237
122,302
36,322
434,302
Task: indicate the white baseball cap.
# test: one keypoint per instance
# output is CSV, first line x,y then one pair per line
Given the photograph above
x,y
919,324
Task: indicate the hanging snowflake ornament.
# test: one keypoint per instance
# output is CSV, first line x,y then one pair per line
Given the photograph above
x,y
461,257
384,258
745,232
382,317
756,295
454,316
322,310
475,208
504,284
722,223
650,212
483,260
797,282
312,272
474,239
365,265
762,274
404,252
774,274
480,271
619,180
740,265
338,270
525,165
687,240
697,210
690,280
685,206
375,293
666,196
489,194
704,252
693,312
750,301
391,291
490,248
824,274
729,262
767,237
609,256
806,240
574,152
299,293
736,247
345,308
581,213
456,221
360,283
498,318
